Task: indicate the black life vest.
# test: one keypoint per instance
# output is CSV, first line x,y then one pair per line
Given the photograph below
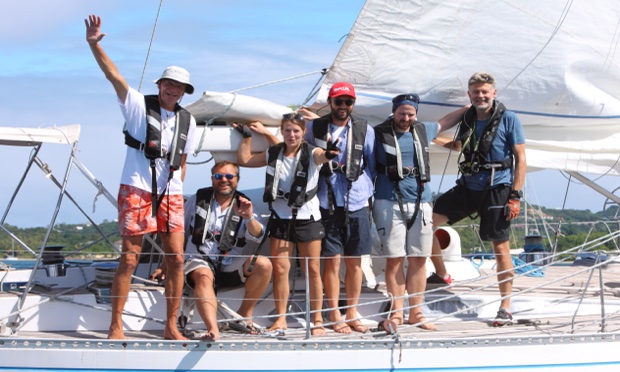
x,y
230,227
152,146
298,194
355,145
476,152
393,169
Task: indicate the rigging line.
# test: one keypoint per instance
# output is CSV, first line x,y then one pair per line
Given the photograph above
x,y
148,52
609,58
563,16
445,167
315,88
277,81
557,231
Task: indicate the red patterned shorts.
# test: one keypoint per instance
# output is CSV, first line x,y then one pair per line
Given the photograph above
x,y
134,212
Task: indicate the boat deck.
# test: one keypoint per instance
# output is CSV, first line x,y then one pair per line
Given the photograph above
x,y
566,302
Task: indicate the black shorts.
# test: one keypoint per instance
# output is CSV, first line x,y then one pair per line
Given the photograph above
x,y
303,231
352,240
490,205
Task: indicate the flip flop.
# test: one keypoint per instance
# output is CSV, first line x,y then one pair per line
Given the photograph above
x,y
317,326
357,326
428,326
341,328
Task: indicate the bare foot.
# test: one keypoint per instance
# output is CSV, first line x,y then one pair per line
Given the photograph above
x,y
173,334
357,326
318,329
279,324
116,334
419,318
341,328
210,336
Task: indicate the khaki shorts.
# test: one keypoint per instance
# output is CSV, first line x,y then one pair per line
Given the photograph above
x,y
134,212
396,241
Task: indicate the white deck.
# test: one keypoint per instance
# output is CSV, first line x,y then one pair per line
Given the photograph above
x,y
562,319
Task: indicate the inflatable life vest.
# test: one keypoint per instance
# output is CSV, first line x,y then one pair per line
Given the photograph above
x,y
232,222
355,146
298,194
394,169
152,146
476,152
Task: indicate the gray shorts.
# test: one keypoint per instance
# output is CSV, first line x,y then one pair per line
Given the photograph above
x,y
396,241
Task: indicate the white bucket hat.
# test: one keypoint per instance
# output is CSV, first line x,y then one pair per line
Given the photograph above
x,y
179,74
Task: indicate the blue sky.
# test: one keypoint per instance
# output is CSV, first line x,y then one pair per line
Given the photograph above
x,y
48,77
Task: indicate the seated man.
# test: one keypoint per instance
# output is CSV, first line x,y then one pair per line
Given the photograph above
x,y
219,221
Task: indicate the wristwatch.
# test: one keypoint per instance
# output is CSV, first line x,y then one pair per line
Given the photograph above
x,y
516,194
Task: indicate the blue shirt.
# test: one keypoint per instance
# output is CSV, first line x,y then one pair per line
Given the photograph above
x,y
509,133
384,188
362,188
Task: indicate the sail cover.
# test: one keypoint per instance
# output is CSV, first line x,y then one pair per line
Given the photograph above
x,y
555,63
12,136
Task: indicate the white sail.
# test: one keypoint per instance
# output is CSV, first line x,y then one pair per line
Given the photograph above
x,y
555,67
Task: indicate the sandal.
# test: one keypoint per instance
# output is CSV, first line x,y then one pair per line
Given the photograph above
x,y
428,326
318,326
358,326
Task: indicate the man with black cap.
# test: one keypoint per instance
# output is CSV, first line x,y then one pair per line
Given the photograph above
x,y
159,134
345,187
402,210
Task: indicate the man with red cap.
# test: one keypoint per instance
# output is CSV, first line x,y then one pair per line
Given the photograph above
x,y
159,134
345,189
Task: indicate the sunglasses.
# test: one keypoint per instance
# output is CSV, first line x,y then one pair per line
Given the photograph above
x,y
481,78
348,102
406,97
228,176
292,116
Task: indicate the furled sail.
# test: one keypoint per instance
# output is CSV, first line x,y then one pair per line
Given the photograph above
x,y
555,62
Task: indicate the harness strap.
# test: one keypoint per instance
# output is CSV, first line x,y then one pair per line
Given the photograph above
x,y
264,239
132,142
330,197
399,198
154,201
346,203
389,170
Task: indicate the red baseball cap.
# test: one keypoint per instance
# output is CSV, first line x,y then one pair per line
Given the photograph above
x,y
341,89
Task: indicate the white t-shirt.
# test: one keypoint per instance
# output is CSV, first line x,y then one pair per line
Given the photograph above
x,y
311,207
137,170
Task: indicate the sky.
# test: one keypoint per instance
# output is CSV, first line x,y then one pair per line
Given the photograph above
x,y
48,77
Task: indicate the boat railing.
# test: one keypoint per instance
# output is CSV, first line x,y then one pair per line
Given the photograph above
x,y
587,281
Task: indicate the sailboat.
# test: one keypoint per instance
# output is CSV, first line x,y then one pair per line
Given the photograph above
x,y
556,66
